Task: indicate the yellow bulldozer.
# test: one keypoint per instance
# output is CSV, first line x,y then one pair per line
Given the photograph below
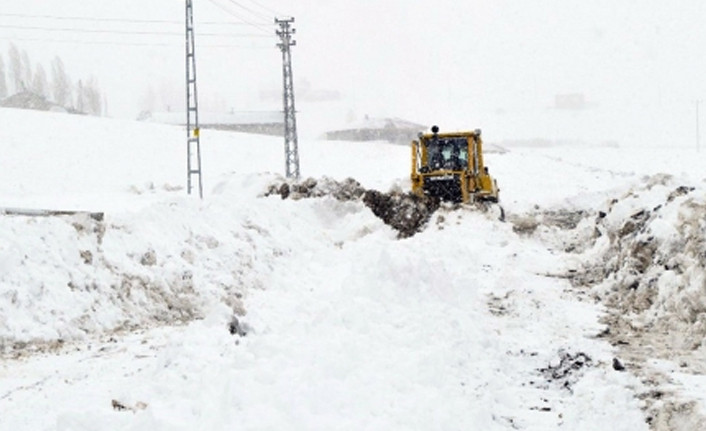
x,y
450,166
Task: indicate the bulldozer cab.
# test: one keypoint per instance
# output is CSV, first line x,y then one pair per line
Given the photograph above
x,y
449,153
450,166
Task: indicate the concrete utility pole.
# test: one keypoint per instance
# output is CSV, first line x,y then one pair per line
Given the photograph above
x,y
291,151
193,143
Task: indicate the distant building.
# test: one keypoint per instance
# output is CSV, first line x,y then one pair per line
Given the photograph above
x,y
29,100
260,122
393,130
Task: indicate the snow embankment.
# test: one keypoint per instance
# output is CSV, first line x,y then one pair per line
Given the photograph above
x,y
68,276
167,263
649,258
642,254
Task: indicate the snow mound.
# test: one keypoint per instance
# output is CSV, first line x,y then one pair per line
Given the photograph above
x,y
346,190
650,248
406,212
642,254
72,277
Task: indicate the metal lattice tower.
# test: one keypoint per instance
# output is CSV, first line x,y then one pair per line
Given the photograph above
x,y
291,150
193,143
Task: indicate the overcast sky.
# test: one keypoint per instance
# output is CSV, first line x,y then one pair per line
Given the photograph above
x,y
639,64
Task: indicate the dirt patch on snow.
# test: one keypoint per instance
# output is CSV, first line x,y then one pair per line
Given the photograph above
x,y
346,190
570,230
405,212
568,370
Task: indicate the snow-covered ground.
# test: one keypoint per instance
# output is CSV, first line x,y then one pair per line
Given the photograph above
x,y
129,322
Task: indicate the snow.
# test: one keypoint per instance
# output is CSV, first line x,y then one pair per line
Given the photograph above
x,y
122,323
231,118
125,321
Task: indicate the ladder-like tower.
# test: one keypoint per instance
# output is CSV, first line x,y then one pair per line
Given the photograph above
x,y
291,150
193,143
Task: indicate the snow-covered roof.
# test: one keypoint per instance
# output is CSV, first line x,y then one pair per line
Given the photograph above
x,y
383,123
29,100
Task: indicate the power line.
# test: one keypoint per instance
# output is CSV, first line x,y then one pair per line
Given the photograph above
x,y
90,19
245,8
135,44
273,12
246,21
133,32
115,20
241,21
230,12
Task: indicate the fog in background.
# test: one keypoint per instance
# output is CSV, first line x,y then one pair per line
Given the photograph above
x,y
606,71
